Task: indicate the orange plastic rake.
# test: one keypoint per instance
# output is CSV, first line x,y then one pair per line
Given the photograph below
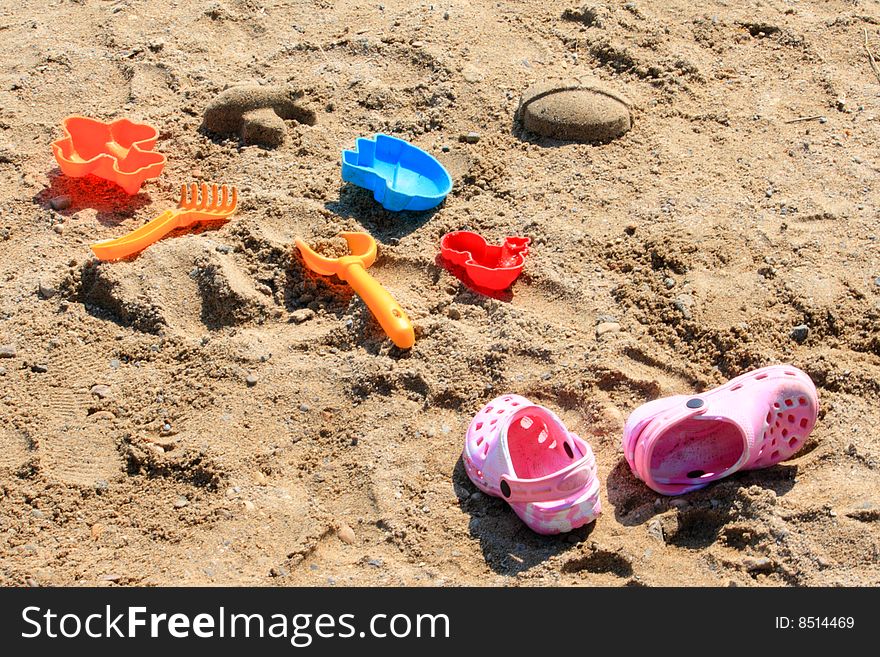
x,y
213,205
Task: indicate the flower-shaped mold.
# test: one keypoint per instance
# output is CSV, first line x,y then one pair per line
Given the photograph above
x,y
400,175
120,151
488,266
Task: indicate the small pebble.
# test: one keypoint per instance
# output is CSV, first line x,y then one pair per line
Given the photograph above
x,y
58,228
251,380
60,202
453,313
799,333
302,315
304,408
40,368
470,137
758,564
606,328
100,390
346,534
180,502
655,530
47,290
376,563
223,248
279,571
114,363
877,281
260,478
36,513
669,283
7,351
2,371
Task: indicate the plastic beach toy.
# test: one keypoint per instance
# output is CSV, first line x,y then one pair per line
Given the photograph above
x,y
400,175
523,454
682,443
120,151
214,207
491,267
352,269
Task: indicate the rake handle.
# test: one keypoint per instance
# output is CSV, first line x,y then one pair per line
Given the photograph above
x,y
385,309
137,240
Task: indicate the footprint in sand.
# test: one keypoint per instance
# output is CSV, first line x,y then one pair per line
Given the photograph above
x,y
70,446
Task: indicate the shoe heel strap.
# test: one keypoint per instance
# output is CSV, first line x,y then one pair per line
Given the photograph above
x,y
556,486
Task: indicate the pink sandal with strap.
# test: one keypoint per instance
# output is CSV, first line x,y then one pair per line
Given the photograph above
x,y
523,453
682,443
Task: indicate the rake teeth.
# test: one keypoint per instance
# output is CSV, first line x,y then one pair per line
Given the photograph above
x,y
205,198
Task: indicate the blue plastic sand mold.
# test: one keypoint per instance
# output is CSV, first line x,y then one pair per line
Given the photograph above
x,y
400,175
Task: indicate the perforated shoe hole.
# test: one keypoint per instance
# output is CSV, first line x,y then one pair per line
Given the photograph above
x,y
479,425
791,419
695,474
567,449
802,401
793,442
552,445
788,402
804,423
761,376
525,422
775,455
542,437
784,433
736,387
505,488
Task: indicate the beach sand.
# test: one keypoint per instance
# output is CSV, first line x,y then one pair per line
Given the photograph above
x,y
696,243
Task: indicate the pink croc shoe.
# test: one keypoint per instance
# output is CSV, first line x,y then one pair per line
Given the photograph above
x,y
523,454
682,443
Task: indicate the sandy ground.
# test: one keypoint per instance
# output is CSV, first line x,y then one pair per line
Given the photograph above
x,y
707,233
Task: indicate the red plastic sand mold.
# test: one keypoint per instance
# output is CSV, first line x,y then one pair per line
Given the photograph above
x,y
119,151
488,266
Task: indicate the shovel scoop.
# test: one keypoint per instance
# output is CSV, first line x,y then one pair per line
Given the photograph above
x,y
353,270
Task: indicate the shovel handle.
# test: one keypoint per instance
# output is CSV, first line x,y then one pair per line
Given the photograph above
x,y
385,309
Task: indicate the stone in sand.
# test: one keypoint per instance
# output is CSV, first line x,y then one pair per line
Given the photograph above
x,y
256,113
575,110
